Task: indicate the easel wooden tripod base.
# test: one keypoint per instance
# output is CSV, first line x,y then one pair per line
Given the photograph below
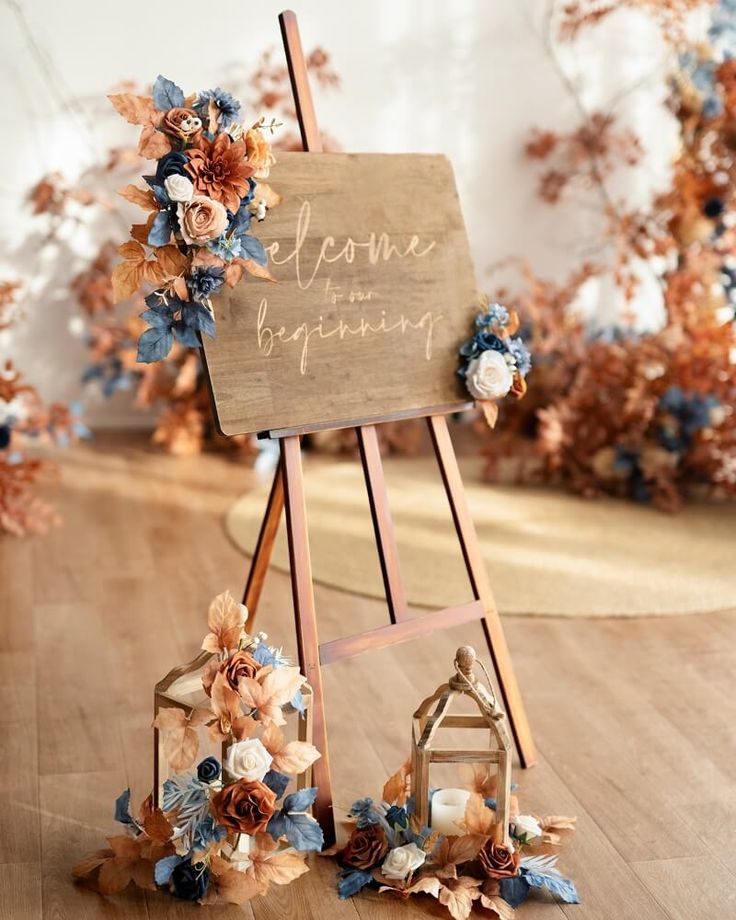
x,y
288,492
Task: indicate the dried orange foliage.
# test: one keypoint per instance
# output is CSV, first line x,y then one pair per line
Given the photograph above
x,y
651,416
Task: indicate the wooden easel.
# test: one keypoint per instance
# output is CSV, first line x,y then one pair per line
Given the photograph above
x,y
288,491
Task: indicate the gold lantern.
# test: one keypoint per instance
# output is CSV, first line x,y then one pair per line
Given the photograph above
x,y
434,713
182,688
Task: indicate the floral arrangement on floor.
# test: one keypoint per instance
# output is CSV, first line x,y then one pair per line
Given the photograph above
x,y
27,422
389,849
206,190
227,830
643,415
495,361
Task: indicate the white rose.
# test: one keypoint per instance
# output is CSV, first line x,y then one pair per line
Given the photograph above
x,y
526,826
401,861
179,188
248,760
489,376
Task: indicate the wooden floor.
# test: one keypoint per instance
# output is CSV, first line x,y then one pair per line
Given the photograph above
x,y
634,719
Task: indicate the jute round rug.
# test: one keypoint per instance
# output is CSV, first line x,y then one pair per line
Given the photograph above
x,y
548,553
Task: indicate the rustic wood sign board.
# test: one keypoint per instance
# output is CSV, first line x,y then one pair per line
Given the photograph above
x,y
375,293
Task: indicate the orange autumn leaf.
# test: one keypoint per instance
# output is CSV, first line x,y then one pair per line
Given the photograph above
x,y
264,192
458,895
395,789
143,197
258,271
478,778
455,850
237,887
181,741
140,232
171,260
225,619
136,110
268,694
479,819
292,758
153,144
271,866
226,707
128,274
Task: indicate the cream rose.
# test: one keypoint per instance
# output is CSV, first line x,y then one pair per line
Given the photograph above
x,y
402,861
248,760
179,188
526,826
201,219
489,376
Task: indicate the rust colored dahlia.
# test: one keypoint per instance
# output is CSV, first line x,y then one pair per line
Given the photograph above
x,y
221,171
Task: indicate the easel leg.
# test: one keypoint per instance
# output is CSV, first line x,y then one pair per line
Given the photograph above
x,y
264,546
306,623
481,586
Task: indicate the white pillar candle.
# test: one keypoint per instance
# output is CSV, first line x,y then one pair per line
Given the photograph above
x,y
448,808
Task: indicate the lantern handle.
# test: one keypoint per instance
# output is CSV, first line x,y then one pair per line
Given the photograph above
x,y
465,658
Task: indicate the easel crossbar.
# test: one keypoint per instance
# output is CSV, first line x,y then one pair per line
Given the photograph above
x,y
396,633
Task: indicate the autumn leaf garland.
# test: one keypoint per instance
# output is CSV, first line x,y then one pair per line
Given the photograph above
x,y
207,187
227,829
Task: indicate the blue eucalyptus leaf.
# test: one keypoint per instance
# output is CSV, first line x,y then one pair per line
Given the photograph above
x,y
302,831
351,881
562,888
300,800
297,701
277,782
164,867
154,345
160,232
252,248
514,890
185,335
198,317
166,94
157,319
161,195
122,808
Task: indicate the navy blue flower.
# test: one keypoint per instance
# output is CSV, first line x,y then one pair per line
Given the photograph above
x,y
171,165
520,353
693,411
487,341
209,770
397,816
4,436
205,281
227,104
189,881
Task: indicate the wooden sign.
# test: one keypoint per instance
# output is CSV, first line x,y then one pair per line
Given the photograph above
x,y
375,293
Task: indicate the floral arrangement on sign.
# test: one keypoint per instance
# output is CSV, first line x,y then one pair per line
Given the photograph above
x,y
390,849
26,421
174,387
649,416
495,361
227,828
206,189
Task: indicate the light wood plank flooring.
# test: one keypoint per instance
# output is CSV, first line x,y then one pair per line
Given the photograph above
x,y
634,719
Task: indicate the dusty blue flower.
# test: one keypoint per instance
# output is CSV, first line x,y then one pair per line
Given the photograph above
x,y
520,353
189,881
496,315
227,104
205,281
397,816
692,411
226,247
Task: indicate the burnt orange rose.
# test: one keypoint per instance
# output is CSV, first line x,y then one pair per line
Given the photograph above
x,y
367,847
245,806
181,123
498,860
221,171
241,664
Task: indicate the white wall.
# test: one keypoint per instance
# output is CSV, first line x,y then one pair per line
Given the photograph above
x,y
466,78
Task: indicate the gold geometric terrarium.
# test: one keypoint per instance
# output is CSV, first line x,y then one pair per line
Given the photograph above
x,y
434,713
182,688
